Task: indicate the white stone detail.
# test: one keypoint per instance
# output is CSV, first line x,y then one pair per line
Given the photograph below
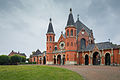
x,y
49,62
70,62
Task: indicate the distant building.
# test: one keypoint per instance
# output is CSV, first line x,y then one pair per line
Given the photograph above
x,y
16,53
38,57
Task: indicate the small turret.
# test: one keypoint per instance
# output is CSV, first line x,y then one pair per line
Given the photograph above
x,y
50,38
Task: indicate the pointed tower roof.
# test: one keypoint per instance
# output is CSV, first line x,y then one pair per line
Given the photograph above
x,y
70,19
50,27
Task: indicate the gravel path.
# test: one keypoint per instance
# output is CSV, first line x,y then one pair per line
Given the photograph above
x,y
96,72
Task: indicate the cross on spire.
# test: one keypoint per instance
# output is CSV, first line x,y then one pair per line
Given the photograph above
x,y
50,20
78,17
70,10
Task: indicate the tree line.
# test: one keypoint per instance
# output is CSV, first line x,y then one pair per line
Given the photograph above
x,y
11,60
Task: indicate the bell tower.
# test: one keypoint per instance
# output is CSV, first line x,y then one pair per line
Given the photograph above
x,y
50,36
71,33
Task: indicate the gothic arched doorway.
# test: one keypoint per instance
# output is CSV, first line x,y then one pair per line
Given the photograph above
x,y
86,60
59,59
44,60
40,60
54,59
63,59
107,59
96,58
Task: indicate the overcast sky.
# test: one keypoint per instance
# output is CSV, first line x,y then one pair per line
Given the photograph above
x,y
24,23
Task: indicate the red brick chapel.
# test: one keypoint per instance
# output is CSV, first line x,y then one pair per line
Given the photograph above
x,y
77,46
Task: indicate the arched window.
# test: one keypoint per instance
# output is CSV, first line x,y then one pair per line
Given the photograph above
x,y
67,32
50,47
50,38
71,43
71,32
75,32
53,38
83,43
47,38
55,48
67,43
47,58
67,57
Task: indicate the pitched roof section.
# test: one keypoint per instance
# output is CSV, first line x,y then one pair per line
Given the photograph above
x,y
38,52
50,27
70,19
102,45
79,25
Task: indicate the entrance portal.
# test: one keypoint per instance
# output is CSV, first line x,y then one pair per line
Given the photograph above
x,y
96,58
107,59
44,60
59,59
63,59
54,61
86,60
40,60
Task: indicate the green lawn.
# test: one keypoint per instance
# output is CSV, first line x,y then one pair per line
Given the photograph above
x,y
36,72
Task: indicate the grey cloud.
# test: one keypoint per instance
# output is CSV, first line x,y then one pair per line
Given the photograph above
x,y
23,23
9,5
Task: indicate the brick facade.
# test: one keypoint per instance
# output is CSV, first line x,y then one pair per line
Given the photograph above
x,y
77,46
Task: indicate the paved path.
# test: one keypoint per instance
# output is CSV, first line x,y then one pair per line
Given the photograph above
x,y
96,72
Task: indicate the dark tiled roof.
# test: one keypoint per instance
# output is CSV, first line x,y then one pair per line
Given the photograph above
x,y
38,52
70,19
79,25
50,27
102,45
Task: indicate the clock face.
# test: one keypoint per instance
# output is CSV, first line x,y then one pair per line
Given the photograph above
x,y
62,45
83,32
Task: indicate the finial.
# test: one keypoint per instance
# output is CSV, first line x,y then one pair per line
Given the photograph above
x,y
70,10
50,20
78,17
61,32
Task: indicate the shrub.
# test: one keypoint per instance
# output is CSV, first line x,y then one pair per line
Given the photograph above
x,y
15,59
23,59
4,60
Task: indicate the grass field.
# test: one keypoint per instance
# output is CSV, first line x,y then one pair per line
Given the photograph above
x,y
36,72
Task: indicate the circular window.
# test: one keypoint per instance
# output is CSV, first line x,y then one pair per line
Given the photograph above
x,y
62,45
